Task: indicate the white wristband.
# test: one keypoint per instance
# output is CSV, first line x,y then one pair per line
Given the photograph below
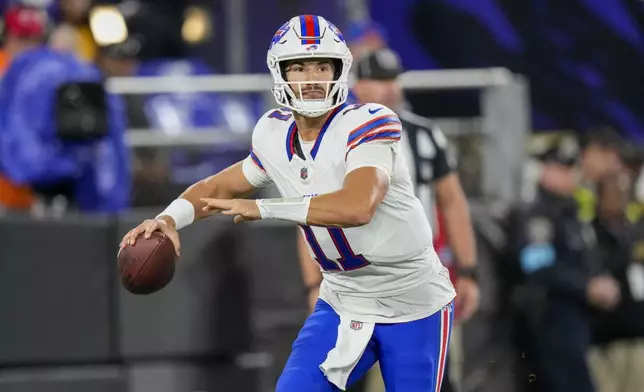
x,y
294,209
182,211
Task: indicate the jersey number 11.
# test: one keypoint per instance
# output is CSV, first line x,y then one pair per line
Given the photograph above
x,y
348,260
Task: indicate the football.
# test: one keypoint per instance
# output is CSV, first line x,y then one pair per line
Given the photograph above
x,y
148,265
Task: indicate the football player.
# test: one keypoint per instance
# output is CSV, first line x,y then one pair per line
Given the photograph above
x,y
385,295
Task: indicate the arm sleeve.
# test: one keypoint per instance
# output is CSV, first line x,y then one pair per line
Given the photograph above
x,y
379,124
380,155
255,171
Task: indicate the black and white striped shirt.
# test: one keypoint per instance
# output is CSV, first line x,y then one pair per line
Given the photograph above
x,y
426,151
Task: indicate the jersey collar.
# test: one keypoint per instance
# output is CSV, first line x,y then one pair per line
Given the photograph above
x,y
292,137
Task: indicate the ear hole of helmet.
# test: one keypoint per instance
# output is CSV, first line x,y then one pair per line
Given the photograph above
x,y
337,64
282,65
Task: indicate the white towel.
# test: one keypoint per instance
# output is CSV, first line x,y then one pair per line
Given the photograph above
x,y
353,338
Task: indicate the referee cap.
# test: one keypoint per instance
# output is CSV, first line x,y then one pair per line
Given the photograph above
x,y
381,64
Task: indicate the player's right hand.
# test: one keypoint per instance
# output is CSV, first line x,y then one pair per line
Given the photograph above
x,y
163,224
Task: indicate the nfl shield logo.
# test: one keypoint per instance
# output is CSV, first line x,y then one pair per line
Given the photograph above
x,y
355,325
304,173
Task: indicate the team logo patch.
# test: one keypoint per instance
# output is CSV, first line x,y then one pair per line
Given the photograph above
x,y
312,48
304,173
355,325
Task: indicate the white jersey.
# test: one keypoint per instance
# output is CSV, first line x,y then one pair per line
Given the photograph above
x,y
386,270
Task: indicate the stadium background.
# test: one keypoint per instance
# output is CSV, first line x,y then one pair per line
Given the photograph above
x,y
545,70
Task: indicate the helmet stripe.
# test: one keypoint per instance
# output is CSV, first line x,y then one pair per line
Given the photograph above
x,y
309,27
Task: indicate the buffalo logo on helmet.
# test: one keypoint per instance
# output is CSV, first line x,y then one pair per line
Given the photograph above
x,y
279,34
337,32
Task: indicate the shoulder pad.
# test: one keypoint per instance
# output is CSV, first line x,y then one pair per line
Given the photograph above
x,y
369,122
281,114
366,110
273,119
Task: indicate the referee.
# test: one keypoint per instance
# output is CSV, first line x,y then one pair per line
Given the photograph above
x,y
432,169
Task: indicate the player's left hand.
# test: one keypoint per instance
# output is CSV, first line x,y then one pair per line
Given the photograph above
x,y
242,209
467,297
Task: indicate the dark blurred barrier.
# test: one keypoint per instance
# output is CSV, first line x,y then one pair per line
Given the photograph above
x,y
56,298
224,323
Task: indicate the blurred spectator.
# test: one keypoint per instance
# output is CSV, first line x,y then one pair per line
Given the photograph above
x,y
634,160
619,360
24,29
64,39
61,134
74,20
600,154
120,60
377,79
558,255
432,167
145,37
364,37
601,186
637,210
149,171
123,60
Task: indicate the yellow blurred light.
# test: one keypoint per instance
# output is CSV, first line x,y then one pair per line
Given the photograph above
x,y
107,25
197,25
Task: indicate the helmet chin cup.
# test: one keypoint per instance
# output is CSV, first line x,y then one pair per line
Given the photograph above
x,y
285,95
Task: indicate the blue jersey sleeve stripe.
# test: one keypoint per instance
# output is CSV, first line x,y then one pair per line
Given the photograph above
x,y
388,126
256,160
387,134
369,126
